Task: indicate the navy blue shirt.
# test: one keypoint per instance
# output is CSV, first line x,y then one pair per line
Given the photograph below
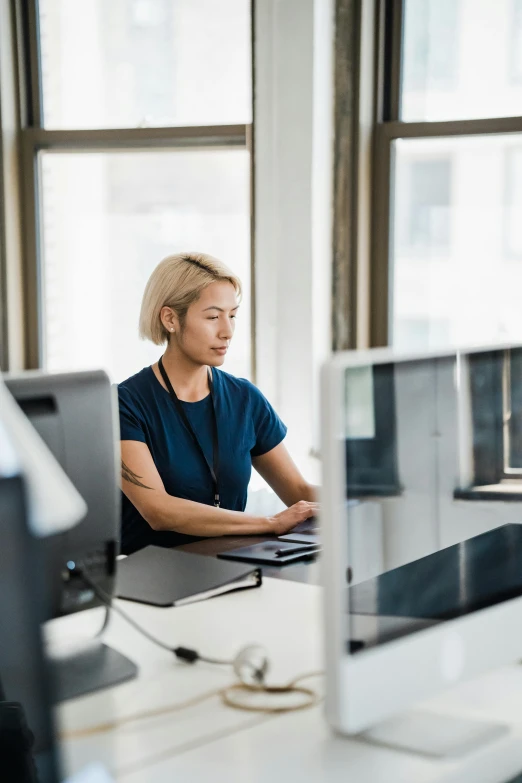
x,y
247,425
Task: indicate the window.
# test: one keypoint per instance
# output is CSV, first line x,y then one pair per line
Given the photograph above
x,y
132,63
450,228
515,63
108,218
447,242
425,223
513,211
418,333
460,60
138,149
431,35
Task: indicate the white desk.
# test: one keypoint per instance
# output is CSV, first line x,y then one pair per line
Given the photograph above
x,y
283,616
213,742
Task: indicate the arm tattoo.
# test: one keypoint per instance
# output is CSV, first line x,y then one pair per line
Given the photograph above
x,y
128,475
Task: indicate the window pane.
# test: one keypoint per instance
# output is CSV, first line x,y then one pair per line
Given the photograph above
x,y
107,220
462,59
456,242
129,63
514,202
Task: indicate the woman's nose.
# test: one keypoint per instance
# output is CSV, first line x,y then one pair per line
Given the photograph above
x,y
226,331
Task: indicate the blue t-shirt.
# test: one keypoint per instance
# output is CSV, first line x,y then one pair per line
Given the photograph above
x,y
247,425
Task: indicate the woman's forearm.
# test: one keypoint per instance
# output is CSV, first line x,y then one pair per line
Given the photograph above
x,y
310,493
199,519
304,491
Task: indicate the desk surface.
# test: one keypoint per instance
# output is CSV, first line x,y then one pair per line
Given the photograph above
x,y
214,742
301,748
218,627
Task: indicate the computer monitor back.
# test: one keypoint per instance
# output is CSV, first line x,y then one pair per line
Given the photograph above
x,y
75,414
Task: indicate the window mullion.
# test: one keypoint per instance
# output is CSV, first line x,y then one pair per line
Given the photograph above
x,y
30,86
126,138
409,130
381,239
31,266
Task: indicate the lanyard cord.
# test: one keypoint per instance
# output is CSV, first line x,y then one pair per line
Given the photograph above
x,y
214,468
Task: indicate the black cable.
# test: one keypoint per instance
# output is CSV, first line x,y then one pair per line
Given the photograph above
x,y
186,654
105,623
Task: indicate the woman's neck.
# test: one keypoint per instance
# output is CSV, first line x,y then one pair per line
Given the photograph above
x,y
190,380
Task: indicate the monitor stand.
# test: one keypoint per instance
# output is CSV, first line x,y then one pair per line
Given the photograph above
x,y
434,734
88,668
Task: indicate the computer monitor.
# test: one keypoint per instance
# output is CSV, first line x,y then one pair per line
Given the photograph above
x,y
422,580
27,737
75,414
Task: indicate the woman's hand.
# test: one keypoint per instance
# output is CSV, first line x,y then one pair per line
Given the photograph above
x,y
286,520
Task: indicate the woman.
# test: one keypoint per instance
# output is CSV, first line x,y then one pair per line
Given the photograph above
x,y
190,432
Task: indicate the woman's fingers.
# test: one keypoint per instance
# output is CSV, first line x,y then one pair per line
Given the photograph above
x,y
291,516
307,508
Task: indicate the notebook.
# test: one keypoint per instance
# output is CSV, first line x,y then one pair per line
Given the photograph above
x,y
167,577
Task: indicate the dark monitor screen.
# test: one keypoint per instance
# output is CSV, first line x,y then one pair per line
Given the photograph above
x,y
27,749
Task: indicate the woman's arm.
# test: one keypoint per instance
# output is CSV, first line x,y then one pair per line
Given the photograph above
x,y
143,486
281,473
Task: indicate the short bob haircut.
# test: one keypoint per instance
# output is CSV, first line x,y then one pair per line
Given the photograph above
x,y
177,282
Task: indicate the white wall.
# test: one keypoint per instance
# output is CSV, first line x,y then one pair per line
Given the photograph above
x,y
293,114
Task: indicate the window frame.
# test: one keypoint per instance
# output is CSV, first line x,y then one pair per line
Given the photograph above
x,y
388,129
35,137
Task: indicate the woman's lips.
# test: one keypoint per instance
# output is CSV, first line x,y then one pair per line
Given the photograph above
x,y
221,351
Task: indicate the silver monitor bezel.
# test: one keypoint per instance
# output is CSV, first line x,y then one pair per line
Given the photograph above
x,y
369,687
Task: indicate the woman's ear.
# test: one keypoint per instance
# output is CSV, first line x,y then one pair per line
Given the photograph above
x,y
169,319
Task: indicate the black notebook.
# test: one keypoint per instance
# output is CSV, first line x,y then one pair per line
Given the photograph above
x,y
166,577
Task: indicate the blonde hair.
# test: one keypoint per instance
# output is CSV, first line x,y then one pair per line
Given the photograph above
x,y
177,282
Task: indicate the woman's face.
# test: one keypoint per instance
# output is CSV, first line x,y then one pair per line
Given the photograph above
x,y
209,325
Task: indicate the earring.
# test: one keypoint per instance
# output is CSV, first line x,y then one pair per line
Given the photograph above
x,y
171,329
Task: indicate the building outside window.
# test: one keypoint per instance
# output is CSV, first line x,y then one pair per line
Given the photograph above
x,y
515,49
513,206
424,224
430,54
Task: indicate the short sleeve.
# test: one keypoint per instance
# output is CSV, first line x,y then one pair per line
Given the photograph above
x,y
130,426
268,427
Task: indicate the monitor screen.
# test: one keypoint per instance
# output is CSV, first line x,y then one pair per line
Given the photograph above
x,y
433,484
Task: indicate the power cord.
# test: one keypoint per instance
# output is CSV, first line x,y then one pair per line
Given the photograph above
x,y
250,666
313,699
182,653
105,624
